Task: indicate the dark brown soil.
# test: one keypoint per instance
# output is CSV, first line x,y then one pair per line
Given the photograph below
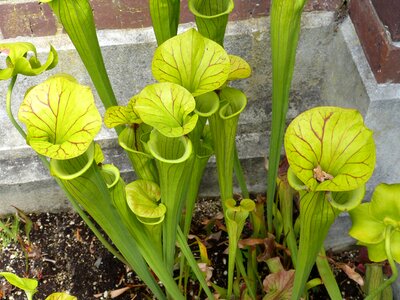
x,y
64,255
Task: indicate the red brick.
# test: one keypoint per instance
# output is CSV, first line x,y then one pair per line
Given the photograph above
x,y
120,14
389,12
26,19
383,56
33,19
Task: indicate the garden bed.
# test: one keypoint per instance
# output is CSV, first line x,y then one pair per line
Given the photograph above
x,y
65,256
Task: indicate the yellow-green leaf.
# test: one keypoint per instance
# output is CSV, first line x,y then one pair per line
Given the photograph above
x,y
143,197
121,115
61,117
330,149
167,107
61,296
239,68
26,284
192,61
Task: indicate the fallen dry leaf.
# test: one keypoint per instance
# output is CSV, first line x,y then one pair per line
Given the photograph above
x,y
113,294
351,273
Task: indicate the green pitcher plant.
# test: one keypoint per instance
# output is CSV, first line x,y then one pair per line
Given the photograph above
x,y
212,17
331,154
63,131
169,131
376,225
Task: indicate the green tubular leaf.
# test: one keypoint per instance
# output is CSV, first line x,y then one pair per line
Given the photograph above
x,y
317,215
146,240
285,28
199,165
167,107
327,276
212,17
235,217
61,296
165,18
26,284
143,198
233,102
61,118
169,150
207,104
174,160
192,61
132,140
91,185
223,125
286,198
17,60
330,149
240,69
346,201
295,182
77,19
63,168
111,175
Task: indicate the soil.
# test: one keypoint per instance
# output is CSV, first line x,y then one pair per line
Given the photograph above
x,y
64,255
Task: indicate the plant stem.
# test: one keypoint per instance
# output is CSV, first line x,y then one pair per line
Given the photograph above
x,y
327,276
8,107
392,264
239,173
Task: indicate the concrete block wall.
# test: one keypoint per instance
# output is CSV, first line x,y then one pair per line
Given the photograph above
x,y
331,69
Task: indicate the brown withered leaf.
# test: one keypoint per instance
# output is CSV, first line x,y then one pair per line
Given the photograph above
x,y
208,270
113,294
250,242
278,286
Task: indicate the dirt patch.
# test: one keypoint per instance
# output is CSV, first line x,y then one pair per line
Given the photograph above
x,y
64,255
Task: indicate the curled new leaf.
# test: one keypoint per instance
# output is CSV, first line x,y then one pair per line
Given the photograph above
x,y
143,198
198,64
22,59
371,220
330,149
61,117
167,107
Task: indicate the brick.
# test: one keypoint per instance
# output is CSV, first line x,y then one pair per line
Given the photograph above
x,y
120,14
389,12
26,19
33,19
382,55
